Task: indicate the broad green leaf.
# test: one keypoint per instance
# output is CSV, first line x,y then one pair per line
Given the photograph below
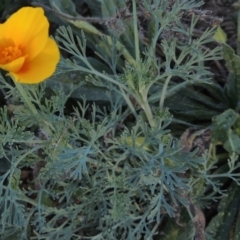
x,y
222,124
88,91
66,6
4,165
46,200
233,142
232,60
139,142
220,35
109,10
178,229
222,224
237,232
67,9
87,27
232,91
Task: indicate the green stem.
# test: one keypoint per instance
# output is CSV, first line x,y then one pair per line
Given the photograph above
x,y
22,197
146,107
154,230
129,103
136,37
164,92
144,101
102,75
26,99
32,107
238,30
120,85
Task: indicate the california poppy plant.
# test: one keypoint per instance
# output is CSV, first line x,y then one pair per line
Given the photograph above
x,y
26,50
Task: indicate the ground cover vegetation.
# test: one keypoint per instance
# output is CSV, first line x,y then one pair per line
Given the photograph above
x,y
135,134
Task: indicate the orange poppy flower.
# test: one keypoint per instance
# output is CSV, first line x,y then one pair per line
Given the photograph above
x,y
26,50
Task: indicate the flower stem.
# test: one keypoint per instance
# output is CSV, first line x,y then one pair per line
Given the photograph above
x,y
136,37
26,99
147,109
238,30
164,92
32,107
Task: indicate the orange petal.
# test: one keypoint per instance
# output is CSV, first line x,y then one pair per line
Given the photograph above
x,y
41,67
28,28
13,66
